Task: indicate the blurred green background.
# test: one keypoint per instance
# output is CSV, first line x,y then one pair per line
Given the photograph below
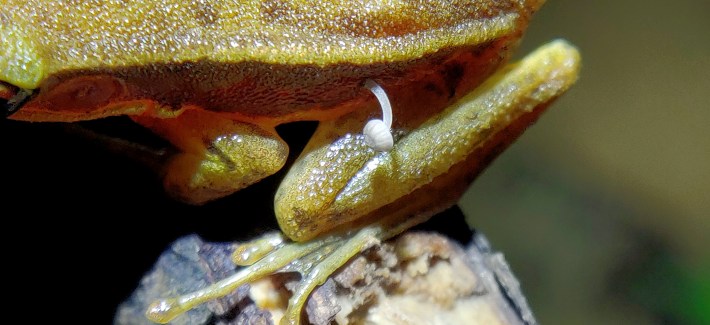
x,y
601,208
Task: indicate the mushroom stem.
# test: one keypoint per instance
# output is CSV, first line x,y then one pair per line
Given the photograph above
x,y
377,90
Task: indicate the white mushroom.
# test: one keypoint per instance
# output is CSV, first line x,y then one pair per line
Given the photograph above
x,y
377,132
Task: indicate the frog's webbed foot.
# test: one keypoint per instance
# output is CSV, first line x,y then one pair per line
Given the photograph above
x,y
218,156
315,260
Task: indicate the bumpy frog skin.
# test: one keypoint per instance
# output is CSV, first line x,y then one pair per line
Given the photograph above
x,y
215,77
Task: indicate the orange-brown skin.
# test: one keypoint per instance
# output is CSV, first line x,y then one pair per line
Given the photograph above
x,y
79,81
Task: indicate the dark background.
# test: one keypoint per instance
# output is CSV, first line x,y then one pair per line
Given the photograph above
x,y
83,223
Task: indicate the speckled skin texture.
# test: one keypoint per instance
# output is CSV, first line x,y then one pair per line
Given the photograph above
x,y
62,35
259,59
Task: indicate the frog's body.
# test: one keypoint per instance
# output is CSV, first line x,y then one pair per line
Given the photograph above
x,y
215,77
261,60
257,64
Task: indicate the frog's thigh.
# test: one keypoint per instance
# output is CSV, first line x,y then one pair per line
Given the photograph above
x,y
218,156
343,181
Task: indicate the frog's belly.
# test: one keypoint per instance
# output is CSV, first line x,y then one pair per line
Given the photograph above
x,y
253,91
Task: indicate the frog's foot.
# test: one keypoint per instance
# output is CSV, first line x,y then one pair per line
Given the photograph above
x,y
218,156
315,260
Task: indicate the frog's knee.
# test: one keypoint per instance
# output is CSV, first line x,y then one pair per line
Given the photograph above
x,y
218,156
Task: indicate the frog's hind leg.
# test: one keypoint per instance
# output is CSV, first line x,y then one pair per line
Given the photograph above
x,y
218,155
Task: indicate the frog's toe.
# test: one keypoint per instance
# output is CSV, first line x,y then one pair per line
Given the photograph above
x,y
250,252
218,156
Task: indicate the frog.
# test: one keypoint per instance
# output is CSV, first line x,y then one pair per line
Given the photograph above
x,y
215,78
